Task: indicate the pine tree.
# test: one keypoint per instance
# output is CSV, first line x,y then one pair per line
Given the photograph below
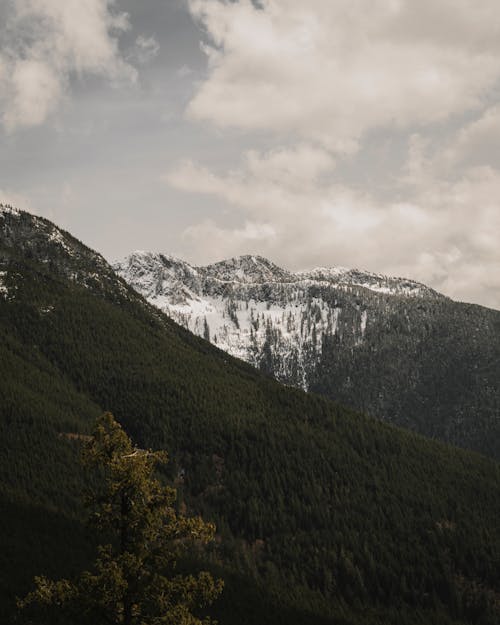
x,y
206,330
134,580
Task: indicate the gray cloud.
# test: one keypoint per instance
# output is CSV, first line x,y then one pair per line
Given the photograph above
x,y
354,133
319,78
46,42
444,233
145,49
330,71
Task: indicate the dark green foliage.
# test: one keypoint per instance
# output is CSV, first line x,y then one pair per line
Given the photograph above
x,y
411,356
327,516
135,579
432,365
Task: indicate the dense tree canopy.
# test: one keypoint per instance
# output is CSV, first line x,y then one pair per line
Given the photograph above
x,y
134,580
323,516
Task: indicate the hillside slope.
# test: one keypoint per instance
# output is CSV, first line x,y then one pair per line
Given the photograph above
x,y
323,515
388,346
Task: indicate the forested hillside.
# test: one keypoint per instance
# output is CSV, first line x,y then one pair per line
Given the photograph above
x,y
390,347
324,516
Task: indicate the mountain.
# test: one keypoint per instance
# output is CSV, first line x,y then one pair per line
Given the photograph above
x,y
391,347
324,516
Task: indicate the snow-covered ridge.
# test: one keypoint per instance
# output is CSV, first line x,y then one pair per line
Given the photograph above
x,y
247,270
377,282
256,270
22,232
261,313
7,208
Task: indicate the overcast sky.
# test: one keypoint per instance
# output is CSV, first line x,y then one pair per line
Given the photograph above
x,y
363,133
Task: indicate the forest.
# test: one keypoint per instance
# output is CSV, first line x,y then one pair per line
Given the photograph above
x,y
323,515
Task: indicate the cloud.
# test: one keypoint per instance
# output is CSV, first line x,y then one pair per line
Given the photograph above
x,y
473,145
444,233
34,89
322,79
249,234
45,43
331,71
145,50
15,199
477,142
184,71
298,166
267,186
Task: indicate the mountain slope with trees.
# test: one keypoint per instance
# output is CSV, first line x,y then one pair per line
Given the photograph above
x,y
323,515
391,347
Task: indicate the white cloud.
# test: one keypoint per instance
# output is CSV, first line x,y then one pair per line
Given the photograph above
x,y
477,142
250,234
273,181
329,71
35,89
145,49
445,233
322,75
48,41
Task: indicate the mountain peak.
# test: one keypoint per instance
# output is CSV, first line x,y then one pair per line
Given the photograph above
x,y
156,275
23,234
323,273
251,269
247,269
238,303
344,277
7,208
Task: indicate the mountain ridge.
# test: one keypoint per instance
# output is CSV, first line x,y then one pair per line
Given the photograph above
x,y
326,515
389,346
239,269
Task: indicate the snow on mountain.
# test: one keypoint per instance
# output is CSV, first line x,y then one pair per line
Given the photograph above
x,y
390,347
343,277
7,208
4,291
273,318
41,240
247,270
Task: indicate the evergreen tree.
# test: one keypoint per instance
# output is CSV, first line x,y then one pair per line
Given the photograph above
x,y
135,579
206,330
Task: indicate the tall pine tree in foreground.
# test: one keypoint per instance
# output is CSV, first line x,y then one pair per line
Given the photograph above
x,y
134,580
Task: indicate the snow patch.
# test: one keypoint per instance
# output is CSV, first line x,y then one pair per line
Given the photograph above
x,y
364,320
57,237
261,313
4,291
5,208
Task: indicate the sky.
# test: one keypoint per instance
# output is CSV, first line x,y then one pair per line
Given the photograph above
x,y
361,133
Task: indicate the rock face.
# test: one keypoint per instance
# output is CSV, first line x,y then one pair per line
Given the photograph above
x,y
39,240
389,346
272,318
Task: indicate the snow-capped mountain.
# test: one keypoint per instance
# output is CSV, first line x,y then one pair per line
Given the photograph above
x,y
391,347
41,240
388,346
261,313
